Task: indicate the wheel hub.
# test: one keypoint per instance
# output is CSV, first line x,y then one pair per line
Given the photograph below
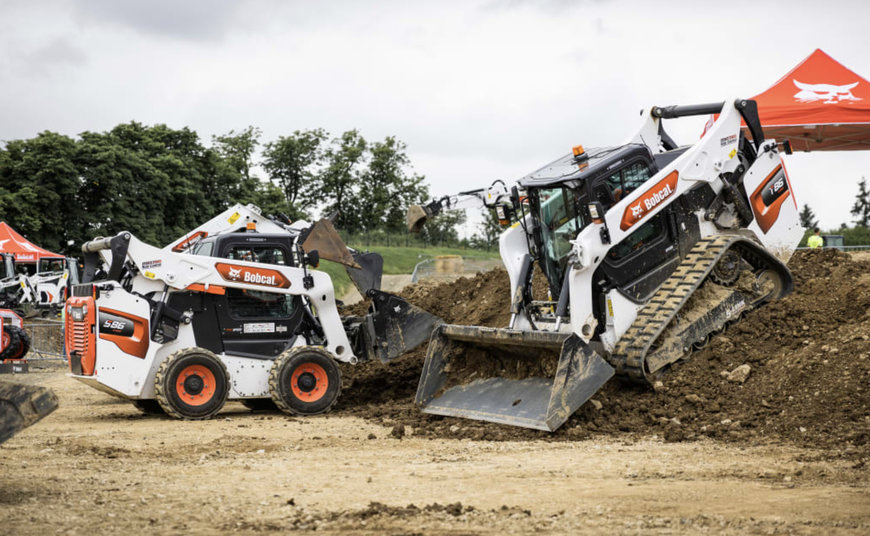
x,y
193,384
306,382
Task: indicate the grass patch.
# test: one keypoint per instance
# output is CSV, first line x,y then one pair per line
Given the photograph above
x,y
397,260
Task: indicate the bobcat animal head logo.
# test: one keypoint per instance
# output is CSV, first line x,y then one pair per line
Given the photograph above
x,y
827,93
235,273
636,211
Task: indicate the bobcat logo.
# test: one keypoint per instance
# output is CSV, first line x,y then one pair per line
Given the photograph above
x,y
636,211
235,273
827,93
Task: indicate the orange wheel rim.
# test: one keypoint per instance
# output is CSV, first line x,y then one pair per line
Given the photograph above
x,y
309,382
195,385
5,341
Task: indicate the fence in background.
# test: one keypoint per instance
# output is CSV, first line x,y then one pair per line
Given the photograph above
x,y
844,248
46,339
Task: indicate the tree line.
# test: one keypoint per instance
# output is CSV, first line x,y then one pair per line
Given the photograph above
x,y
859,235
160,183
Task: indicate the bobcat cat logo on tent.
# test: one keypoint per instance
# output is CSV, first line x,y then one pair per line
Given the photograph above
x,y
828,93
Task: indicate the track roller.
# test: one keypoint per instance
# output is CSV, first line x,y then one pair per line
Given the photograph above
x,y
305,381
192,384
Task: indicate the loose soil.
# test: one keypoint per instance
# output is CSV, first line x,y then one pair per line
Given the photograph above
x,y
784,452
809,356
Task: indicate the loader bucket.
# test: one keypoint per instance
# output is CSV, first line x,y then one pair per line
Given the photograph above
x,y
415,218
368,275
394,327
22,405
533,379
323,237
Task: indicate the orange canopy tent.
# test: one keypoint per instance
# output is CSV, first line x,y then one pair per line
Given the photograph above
x,y
820,105
24,250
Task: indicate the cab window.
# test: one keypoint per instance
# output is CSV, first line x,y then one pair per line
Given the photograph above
x,y
633,176
614,188
204,249
244,303
261,254
645,234
51,265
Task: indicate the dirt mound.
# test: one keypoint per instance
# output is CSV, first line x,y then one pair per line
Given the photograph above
x,y
808,357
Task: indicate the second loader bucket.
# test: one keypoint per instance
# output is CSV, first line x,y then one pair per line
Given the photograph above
x,y
22,405
533,379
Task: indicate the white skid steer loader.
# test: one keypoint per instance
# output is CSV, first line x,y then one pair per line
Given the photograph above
x,y
648,250
240,317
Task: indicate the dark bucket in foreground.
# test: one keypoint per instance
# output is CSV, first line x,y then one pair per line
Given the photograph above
x,y
23,405
533,379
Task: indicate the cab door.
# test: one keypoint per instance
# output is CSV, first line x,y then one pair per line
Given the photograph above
x,y
252,322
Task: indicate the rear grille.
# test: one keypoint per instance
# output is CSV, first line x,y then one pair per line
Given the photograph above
x,y
80,334
83,290
77,338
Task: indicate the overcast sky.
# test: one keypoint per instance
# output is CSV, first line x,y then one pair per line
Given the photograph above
x,y
478,90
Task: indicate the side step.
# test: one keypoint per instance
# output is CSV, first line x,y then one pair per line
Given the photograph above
x,y
23,405
485,391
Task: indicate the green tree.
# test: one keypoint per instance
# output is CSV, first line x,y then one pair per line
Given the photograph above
x,y
234,159
344,164
153,181
388,187
808,218
490,228
861,208
39,184
291,162
443,228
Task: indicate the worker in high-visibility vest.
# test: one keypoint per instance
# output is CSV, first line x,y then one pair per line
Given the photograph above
x,y
815,241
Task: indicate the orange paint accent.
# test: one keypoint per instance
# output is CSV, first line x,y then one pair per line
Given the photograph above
x,y
212,289
252,276
4,338
320,386
190,241
208,387
135,345
650,200
80,336
766,215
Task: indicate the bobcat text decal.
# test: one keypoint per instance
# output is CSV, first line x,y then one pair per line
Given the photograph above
x,y
252,276
647,202
827,93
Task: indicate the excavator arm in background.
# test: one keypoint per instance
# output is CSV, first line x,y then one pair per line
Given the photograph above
x,y
496,196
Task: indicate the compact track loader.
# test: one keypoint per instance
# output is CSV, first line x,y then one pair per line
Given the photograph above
x,y
230,311
648,249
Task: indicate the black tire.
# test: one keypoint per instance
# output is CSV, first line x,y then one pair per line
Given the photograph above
x,y
259,404
192,384
149,406
17,343
317,381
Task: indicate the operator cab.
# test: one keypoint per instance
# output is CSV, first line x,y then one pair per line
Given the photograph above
x,y
246,322
559,195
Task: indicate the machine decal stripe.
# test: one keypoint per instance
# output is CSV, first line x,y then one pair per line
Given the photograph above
x,y
648,202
